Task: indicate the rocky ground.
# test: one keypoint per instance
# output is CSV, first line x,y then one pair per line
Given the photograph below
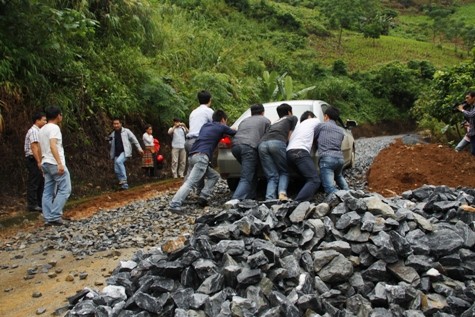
x,y
41,266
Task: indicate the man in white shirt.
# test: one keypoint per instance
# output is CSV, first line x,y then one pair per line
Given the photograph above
x,y
198,117
298,155
57,179
34,191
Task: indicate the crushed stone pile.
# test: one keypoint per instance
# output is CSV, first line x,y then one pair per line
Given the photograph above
x,y
356,254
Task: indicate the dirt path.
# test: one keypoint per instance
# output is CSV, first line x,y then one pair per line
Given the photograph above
x,y
58,273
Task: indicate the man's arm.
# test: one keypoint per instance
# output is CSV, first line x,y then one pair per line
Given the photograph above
x,y
35,148
134,141
467,113
54,151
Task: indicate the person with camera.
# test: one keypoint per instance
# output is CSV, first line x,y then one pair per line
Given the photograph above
x,y
178,133
469,115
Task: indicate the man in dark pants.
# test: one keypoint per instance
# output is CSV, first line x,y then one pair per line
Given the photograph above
x,y
34,191
470,117
298,155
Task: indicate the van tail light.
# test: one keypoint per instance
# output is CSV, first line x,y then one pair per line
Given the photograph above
x,y
225,142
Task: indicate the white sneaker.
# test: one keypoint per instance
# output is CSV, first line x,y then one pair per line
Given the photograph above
x,y
231,203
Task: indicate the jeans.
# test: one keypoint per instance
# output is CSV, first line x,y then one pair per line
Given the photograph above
x,y
178,162
119,168
56,192
248,158
274,165
462,144
331,170
34,191
199,168
303,162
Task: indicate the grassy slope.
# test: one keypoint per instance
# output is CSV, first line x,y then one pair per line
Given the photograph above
x,y
363,54
409,41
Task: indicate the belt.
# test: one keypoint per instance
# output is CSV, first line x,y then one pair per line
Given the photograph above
x,y
191,137
199,153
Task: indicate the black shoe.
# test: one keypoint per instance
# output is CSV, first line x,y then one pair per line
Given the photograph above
x,y
202,202
176,210
35,209
55,223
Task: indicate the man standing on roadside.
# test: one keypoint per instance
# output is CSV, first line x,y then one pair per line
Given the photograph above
x,y
470,117
57,179
298,155
178,133
121,140
199,162
198,117
34,190
244,149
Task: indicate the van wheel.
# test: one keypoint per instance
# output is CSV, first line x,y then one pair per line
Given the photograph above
x,y
232,183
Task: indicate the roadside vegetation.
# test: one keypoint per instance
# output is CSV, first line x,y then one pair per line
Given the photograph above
x,y
144,61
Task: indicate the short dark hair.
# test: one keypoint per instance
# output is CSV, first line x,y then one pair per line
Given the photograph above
x,y
116,119
204,97
147,126
471,93
52,112
306,115
176,119
37,116
283,110
219,115
332,113
257,109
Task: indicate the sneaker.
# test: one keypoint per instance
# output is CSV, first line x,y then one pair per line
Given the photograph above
x,y
176,210
202,202
283,197
54,223
231,203
124,186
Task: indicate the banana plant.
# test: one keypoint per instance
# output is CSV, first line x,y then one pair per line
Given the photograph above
x,y
278,88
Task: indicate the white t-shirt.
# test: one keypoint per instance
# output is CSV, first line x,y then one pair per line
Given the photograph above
x,y
302,137
198,117
48,132
147,139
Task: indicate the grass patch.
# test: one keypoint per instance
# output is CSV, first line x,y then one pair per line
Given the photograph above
x,y
361,53
466,13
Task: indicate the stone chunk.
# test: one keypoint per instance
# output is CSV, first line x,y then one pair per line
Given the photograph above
x,y
338,270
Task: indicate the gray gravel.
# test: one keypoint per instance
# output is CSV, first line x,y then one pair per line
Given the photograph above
x,y
148,223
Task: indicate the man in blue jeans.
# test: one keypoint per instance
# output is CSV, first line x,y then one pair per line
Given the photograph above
x,y
121,140
199,162
244,149
57,179
329,137
298,155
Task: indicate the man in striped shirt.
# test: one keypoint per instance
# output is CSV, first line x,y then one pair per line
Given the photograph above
x,y
34,190
329,137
